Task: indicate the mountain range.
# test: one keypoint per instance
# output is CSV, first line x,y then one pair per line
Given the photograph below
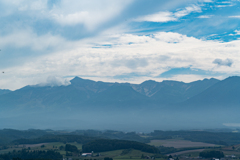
x,y
86,98
83,92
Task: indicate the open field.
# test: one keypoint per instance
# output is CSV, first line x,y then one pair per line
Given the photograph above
x,y
194,153
231,153
118,154
180,143
132,154
32,145
186,152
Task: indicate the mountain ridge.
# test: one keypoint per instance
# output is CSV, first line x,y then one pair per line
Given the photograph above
x,y
4,91
87,92
224,93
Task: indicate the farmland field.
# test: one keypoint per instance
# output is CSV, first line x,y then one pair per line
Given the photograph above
x,y
180,143
188,151
132,154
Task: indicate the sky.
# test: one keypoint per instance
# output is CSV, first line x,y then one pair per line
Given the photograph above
x,y
50,42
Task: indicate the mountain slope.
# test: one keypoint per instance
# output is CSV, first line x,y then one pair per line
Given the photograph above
x,y
173,91
223,93
45,96
4,91
121,95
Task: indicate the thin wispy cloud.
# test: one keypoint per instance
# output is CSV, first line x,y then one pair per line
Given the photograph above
x,y
205,16
188,10
169,16
158,17
237,16
237,32
225,4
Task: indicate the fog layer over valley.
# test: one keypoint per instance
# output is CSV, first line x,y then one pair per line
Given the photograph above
x,y
86,104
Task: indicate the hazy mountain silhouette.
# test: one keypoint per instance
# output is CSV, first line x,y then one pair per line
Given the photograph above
x,y
4,91
83,92
223,93
173,91
147,106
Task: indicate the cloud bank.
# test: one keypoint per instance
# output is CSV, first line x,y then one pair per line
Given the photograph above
x,y
122,40
147,55
54,81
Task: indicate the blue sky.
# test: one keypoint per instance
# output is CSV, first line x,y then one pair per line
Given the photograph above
x,y
47,41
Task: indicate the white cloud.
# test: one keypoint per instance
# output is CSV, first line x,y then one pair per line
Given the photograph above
x,y
128,53
205,16
72,19
169,16
209,1
188,10
222,6
27,38
158,17
237,16
225,4
71,12
90,14
237,32
55,81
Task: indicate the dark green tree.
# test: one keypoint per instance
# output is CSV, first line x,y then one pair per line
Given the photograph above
x,y
107,158
61,147
71,148
211,154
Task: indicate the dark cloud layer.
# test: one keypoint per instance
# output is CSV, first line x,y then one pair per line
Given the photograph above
x,y
220,62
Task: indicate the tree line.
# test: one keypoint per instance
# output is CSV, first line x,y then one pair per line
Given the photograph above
x,y
26,154
211,154
55,138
